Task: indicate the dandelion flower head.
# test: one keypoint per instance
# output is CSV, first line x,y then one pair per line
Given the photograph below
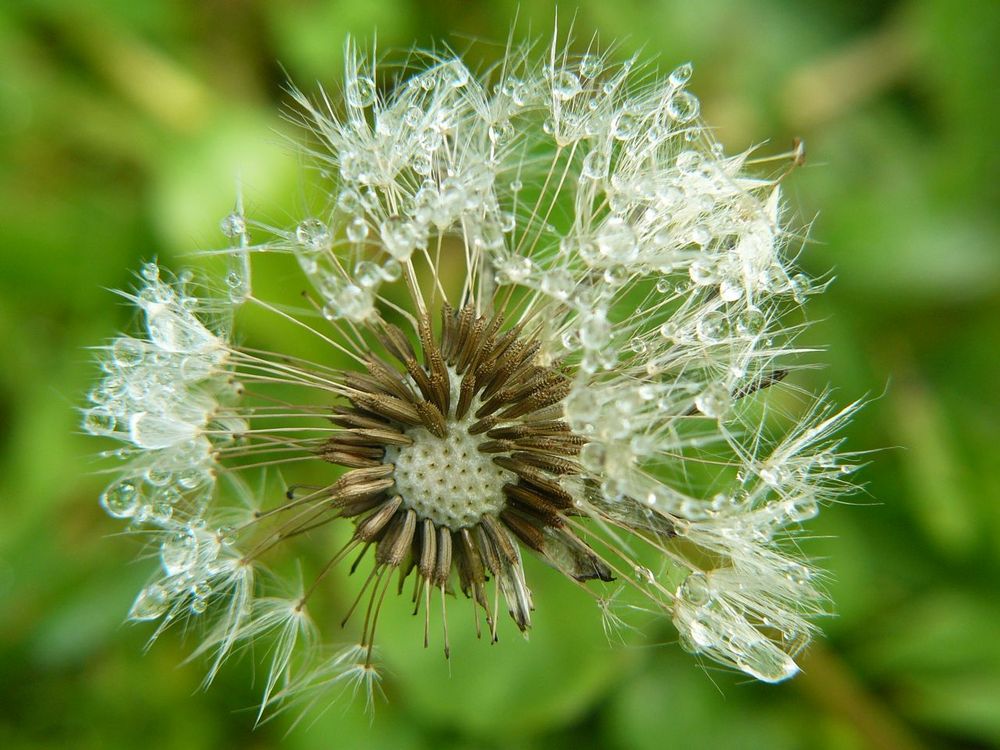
x,y
554,309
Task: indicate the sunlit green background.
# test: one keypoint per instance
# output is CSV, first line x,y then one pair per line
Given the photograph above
x,y
122,127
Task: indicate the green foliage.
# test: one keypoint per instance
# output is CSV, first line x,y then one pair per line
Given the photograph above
x,y
121,132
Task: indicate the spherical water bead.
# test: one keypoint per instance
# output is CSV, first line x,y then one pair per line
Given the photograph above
x,y
730,289
626,125
121,499
616,240
799,286
99,421
233,226
351,302
392,270
714,401
591,66
151,603
696,589
681,75
128,352
595,165
150,272
178,553
508,221
702,272
514,269
773,475
500,132
565,85
313,235
689,161
361,92
701,235
516,186
801,509
357,229
751,323
683,106
398,237
455,74
558,284
712,327
595,330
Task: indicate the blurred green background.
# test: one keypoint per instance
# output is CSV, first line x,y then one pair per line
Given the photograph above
x,y
122,127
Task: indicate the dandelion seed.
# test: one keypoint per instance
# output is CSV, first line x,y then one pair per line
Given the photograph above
x,y
545,329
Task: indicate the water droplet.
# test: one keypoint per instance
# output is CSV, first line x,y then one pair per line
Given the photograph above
x,y
178,553
233,226
765,661
799,285
712,327
730,289
151,603
616,240
683,106
150,272
689,161
121,499
557,283
702,271
507,222
392,270
696,589
313,235
700,235
591,66
595,165
565,85
361,92
626,126
714,401
357,229
99,421
681,74
751,323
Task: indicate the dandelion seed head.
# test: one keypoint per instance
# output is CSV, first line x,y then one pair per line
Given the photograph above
x,y
552,307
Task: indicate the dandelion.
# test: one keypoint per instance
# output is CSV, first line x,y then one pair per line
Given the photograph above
x,y
554,311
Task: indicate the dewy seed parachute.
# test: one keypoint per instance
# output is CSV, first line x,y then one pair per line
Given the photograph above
x,y
554,315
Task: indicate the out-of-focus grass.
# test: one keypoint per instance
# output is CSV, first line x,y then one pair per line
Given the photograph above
x,y
121,131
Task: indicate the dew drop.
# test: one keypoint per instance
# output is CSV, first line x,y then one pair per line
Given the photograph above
x,y
313,235
714,401
626,126
357,229
99,421
591,66
683,106
151,603
696,589
762,659
595,165
233,226
361,92
681,74
121,499
565,85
